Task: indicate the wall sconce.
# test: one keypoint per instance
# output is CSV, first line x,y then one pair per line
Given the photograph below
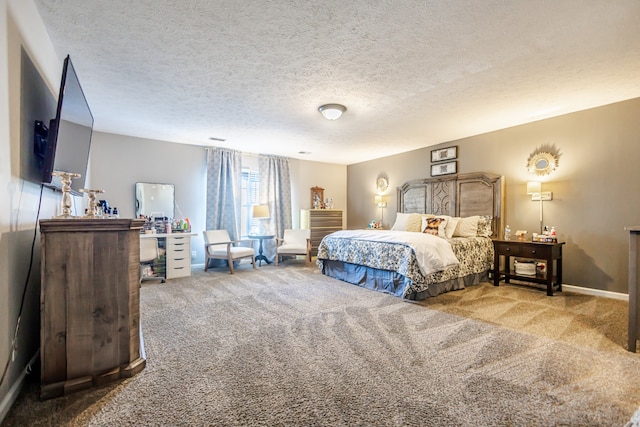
x,y
259,213
535,189
379,200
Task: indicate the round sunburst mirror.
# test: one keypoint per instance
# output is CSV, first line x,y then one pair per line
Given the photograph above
x,y
382,184
542,163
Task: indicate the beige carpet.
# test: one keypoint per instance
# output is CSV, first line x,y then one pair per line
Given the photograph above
x,y
288,346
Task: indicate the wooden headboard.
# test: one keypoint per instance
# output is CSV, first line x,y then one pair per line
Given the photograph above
x,y
477,193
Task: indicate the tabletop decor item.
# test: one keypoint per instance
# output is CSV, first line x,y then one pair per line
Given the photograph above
x,y
67,202
92,210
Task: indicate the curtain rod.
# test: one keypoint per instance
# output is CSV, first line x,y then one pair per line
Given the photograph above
x,y
244,153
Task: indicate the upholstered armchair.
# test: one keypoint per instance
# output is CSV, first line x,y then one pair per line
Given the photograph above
x,y
218,245
295,242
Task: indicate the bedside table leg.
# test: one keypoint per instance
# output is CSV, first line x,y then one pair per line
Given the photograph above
x,y
507,269
559,271
496,269
550,277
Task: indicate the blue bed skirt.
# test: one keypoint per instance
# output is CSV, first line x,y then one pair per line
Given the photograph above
x,y
391,282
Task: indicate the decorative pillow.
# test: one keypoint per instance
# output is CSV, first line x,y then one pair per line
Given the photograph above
x,y
407,222
484,225
415,221
450,228
401,221
435,226
467,227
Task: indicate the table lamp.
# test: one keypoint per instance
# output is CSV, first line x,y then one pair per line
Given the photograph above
x,y
259,213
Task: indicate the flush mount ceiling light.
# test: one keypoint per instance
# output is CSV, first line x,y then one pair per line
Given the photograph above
x,y
332,111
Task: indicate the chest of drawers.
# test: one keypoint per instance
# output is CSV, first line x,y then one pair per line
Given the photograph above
x,y
178,254
321,222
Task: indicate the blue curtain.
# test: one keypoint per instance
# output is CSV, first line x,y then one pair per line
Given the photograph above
x,y
275,191
224,176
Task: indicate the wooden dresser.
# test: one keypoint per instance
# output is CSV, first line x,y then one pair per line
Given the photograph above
x,y
321,222
89,303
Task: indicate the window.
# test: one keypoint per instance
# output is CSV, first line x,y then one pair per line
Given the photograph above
x,y
250,195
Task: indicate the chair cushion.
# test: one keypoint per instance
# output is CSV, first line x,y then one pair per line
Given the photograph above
x,y
214,236
148,249
292,249
236,252
296,237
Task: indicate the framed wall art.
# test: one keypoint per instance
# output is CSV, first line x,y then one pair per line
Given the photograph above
x,y
443,154
444,168
317,197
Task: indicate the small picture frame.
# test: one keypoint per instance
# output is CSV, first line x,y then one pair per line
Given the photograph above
x,y
444,168
317,198
443,154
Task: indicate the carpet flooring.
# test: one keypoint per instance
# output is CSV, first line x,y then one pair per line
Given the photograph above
x,y
288,346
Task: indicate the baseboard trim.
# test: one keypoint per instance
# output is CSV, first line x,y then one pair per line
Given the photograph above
x,y
15,389
595,292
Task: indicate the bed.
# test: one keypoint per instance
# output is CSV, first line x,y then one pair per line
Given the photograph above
x,y
461,212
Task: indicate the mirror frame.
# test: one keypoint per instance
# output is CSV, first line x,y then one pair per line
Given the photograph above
x,y
382,184
534,167
139,205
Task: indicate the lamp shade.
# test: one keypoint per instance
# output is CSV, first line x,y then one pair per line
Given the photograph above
x,y
260,211
332,111
534,187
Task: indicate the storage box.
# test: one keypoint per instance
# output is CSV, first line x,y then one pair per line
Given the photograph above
x,y
525,268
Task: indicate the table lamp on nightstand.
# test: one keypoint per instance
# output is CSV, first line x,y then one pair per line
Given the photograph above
x,y
379,200
259,213
534,188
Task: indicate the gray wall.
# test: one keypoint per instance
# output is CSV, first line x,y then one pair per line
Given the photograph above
x,y
24,96
118,162
595,188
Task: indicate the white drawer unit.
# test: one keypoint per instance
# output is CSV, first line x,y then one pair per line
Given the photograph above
x,y
178,256
177,248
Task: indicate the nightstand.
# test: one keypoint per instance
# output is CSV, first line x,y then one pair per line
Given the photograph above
x,y
548,252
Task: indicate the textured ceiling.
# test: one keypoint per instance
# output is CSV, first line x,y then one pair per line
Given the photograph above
x,y
411,73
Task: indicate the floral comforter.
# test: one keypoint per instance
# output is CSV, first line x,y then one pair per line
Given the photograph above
x,y
396,251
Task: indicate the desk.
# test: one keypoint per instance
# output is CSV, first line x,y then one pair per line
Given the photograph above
x,y
178,253
549,252
260,257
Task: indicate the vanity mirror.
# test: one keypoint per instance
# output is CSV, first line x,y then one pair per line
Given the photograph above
x,y
155,200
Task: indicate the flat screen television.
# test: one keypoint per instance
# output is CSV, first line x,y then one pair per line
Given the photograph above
x,y
68,139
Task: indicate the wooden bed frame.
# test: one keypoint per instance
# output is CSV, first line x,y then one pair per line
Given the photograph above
x,y
461,195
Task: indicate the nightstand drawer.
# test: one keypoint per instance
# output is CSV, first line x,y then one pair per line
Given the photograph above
x,y
508,249
540,252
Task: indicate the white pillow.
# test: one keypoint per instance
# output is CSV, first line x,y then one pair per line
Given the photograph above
x,y
449,226
414,223
409,222
452,223
467,227
401,222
